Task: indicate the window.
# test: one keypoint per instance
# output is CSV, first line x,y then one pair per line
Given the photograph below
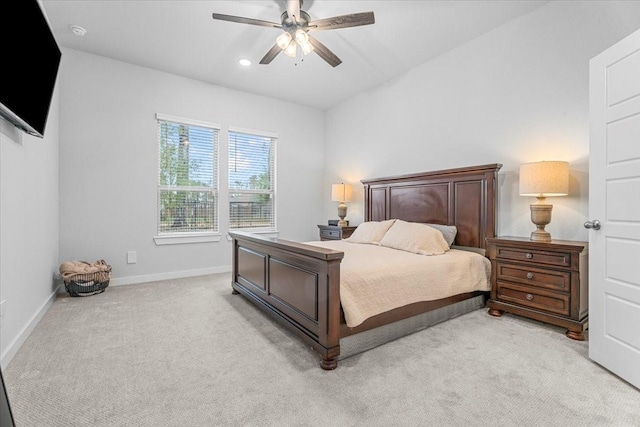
x,y
251,180
187,176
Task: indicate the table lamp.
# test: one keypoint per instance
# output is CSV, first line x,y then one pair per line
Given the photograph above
x,y
341,193
542,180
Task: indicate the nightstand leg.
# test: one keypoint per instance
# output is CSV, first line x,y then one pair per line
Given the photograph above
x,y
575,335
329,364
495,312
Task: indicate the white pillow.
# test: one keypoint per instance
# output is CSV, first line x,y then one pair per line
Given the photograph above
x,y
414,237
370,232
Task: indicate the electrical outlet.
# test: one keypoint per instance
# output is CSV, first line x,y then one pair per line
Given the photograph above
x,y
132,257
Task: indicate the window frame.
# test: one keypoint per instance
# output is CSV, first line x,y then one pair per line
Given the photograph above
x,y
168,238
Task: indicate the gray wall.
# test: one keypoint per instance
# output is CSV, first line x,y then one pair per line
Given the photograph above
x,y
108,164
517,94
29,228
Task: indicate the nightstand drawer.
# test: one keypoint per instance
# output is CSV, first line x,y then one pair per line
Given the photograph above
x,y
535,298
334,232
550,279
330,234
559,259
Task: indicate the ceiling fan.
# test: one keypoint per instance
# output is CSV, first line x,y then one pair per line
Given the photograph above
x,y
297,24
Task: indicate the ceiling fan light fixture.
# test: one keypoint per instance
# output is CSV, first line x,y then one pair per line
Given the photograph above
x,y
291,49
301,37
307,48
283,40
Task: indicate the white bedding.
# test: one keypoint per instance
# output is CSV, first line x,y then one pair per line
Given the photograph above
x,y
375,279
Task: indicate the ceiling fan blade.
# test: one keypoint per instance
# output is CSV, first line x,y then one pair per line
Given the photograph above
x,y
324,52
293,9
344,21
273,52
242,20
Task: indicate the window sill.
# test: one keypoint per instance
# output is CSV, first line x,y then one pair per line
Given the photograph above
x,y
186,238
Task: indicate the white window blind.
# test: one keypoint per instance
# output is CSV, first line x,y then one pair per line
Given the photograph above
x,y
251,180
187,176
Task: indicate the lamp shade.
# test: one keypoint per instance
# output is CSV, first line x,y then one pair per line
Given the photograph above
x,y
544,179
283,40
341,192
291,49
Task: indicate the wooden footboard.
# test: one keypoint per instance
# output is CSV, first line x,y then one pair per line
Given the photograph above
x,y
298,285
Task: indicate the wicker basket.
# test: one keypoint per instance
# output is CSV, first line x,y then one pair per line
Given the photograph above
x,y
81,285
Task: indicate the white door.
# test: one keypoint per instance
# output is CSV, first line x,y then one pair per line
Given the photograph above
x,y
614,201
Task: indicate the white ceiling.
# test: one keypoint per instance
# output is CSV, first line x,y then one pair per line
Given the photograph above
x,y
181,38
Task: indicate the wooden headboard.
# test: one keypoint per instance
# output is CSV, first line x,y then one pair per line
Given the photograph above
x,y
464,197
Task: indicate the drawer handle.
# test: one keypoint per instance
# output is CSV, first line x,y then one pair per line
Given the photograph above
x,y
529,256
529,297
529,275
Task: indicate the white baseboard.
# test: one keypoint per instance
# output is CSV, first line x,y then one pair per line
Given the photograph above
x,y
15,345
132,280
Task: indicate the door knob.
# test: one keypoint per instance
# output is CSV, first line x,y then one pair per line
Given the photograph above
x,y
595,224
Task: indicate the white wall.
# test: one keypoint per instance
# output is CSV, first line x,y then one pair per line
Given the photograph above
x,y
517,94
29,229
108,164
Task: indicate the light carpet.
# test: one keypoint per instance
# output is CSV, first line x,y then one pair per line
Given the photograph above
x,y
188,353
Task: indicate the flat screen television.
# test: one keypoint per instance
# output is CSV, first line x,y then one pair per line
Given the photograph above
x,y
6,416
30,60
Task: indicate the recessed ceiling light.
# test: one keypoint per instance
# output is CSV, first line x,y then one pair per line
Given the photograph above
x,y
244,62
77,30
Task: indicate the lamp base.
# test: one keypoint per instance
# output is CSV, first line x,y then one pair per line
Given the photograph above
x,y
540,216
540,236
342,213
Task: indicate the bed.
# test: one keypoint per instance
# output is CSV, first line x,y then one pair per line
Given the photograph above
x,y
298,284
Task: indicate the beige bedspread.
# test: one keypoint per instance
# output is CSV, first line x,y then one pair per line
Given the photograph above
x,y
375,279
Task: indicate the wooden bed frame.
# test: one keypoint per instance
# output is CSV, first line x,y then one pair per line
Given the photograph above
x,y
298,285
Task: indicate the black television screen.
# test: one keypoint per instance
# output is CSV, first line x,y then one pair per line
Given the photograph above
x,y
6,416
30,61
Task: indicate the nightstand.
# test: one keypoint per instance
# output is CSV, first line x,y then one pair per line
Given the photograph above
x,y
334,232
545,281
